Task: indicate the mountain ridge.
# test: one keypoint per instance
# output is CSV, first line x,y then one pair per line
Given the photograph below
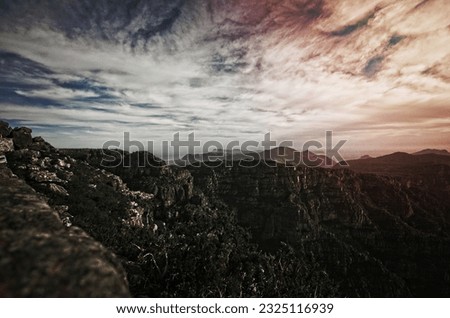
x,y
269,230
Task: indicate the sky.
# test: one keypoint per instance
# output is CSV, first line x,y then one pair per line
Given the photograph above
x,y
376,73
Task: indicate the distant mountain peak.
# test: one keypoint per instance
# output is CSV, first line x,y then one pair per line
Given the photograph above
x,y
432,151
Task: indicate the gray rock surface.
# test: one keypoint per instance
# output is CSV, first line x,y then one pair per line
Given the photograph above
x,y
40,257
6,145
22,137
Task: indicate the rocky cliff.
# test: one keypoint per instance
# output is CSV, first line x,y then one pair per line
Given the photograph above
x,y
238,231
40,256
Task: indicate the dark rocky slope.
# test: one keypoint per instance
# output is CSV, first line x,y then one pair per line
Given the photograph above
x,y
40,257
366,224
238,231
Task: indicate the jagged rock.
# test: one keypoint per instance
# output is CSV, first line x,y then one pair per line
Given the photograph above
x,y
60,163
22,137
41,145
6,145
64,215
23,155
58,190
5,130
45,177
39,257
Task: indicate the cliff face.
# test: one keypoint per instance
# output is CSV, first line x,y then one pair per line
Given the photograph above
x,y
40,257
240,231
367,223
41,253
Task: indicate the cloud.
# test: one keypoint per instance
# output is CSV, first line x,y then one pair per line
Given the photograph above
x,y
57,93
227,68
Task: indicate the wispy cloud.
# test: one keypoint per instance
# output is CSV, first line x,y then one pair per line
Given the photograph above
x,y
366,69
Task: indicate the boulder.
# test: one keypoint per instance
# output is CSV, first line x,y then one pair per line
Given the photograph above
x,y
5,130
22,137
41,145
6,145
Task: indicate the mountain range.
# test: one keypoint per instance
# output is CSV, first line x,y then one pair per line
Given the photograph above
x,y
278,155
75,227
